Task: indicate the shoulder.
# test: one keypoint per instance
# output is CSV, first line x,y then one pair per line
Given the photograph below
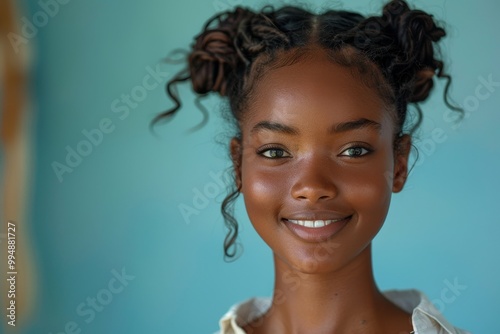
x,y
242,313
426,318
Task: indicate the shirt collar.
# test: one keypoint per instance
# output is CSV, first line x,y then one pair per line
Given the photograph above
x,y
426,318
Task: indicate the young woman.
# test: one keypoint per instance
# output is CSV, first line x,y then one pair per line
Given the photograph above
x,y
322,140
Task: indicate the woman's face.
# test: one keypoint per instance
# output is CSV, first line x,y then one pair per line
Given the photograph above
x,y
317,145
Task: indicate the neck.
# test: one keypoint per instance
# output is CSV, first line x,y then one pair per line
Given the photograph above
x,y
344,301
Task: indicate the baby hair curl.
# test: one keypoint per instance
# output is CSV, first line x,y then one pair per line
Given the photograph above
x,y
393,52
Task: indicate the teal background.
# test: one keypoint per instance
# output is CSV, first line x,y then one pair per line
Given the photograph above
x,y
119,208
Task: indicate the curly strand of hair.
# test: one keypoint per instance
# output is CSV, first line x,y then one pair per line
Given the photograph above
x,y
447,99
174,95
204,112
227,210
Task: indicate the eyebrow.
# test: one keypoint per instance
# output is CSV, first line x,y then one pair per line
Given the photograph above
x,y
354,125
336,128
275,127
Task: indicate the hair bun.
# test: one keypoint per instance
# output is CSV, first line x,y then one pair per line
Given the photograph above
x,y
214,57
416,32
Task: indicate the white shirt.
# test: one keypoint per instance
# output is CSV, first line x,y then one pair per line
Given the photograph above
x,y
426,319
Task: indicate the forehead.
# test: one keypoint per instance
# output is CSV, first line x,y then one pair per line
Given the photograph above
x,y
314,91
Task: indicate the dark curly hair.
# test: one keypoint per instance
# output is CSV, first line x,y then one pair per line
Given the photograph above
x,y
394,52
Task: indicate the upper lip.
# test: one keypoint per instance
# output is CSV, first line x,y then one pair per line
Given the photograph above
x,y
316,215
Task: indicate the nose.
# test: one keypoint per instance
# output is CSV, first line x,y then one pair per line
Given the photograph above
x,y
314,181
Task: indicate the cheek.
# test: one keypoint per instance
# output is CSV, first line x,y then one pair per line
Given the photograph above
x,y
369,191
262,193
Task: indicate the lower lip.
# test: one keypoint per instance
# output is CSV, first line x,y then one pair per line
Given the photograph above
x,y
316,234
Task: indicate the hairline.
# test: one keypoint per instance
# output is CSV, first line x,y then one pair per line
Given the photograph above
x,y
347,56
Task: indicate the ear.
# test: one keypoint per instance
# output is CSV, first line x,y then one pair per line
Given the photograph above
x,y
236,156
401,156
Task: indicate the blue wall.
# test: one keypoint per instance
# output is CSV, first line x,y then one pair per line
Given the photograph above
x,y
118,209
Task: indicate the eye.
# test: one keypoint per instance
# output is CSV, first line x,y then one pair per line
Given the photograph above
x,y
355,152
272,153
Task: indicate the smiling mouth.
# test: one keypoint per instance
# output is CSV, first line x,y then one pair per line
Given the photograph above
x,y
318,230
314,223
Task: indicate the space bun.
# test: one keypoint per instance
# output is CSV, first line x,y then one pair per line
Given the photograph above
x,y
416,34
214,58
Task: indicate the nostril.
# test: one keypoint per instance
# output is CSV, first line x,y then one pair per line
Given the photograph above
x,y
314,190
314,197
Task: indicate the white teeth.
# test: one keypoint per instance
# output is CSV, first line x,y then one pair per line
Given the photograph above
x,y
319,223
314,223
